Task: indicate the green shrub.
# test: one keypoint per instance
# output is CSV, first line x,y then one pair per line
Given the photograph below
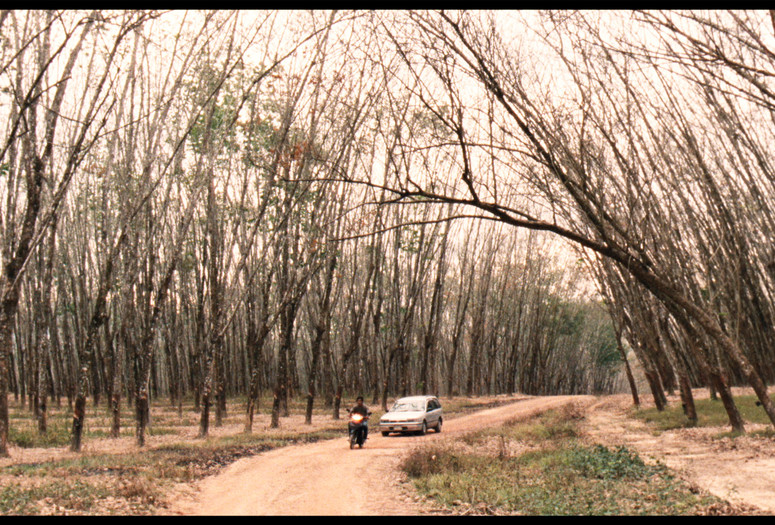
x,y
599,462
551,425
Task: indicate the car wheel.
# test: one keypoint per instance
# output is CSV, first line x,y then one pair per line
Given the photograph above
x,y
386,434
438,426
424,428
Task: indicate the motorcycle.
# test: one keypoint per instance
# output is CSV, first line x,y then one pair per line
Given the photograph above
x,y
357,429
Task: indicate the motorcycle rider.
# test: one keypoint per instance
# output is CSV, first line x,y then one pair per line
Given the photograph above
x,y
363,410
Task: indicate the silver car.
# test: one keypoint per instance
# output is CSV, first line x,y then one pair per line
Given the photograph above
x,y
412,414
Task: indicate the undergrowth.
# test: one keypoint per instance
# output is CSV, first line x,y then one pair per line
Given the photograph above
x,y
710,413
542,467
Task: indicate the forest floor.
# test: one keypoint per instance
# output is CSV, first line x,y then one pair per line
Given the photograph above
x,y
318,475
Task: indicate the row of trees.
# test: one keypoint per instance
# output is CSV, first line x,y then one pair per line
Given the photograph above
x,y
217,203
642,138
190,208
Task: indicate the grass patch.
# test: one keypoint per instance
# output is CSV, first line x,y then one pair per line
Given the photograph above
x,y
77,496
710,413
57,435
553,474
551,425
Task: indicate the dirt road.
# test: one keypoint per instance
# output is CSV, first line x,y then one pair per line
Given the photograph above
x,y
328,478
